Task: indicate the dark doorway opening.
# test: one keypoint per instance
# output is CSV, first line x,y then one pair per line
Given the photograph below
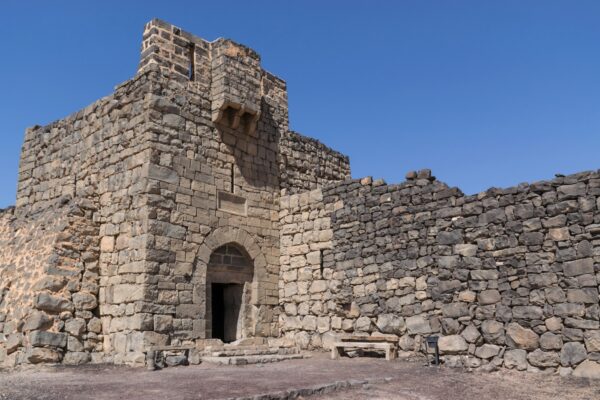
x,y
226,307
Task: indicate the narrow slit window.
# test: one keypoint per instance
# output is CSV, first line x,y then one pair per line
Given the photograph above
x,y
232,178
321,265
191,63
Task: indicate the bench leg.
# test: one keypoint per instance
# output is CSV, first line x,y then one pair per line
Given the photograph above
x,y
335,353
390,353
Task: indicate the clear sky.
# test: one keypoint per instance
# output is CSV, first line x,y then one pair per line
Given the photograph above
x,y
485,93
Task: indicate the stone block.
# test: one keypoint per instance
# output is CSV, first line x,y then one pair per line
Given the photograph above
x,y
391,323
489,297
471,334
516,359
84,301
126,293
592,341
75,327
521,338
588,369
453,344
466,250
418,325
572,354
44,338
449,238
484,274
76,358
487,351
528,312
38,355
47,302
543,359
585,296
578,267
37,320
493,332
455,310
551,341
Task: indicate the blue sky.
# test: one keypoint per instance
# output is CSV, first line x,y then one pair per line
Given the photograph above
x,y
485,93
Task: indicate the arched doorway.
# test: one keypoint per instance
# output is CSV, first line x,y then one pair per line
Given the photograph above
x,y
230,272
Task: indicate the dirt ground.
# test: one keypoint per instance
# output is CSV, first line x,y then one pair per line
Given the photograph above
x,y
409,381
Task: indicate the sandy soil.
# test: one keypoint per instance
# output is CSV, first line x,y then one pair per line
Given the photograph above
x,y
410,381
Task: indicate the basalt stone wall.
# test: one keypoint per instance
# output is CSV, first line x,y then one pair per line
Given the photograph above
x,y
49,286
505,278
307,164
178,161
219,126
100,155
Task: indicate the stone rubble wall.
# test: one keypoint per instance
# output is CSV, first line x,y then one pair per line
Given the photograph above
x,y
508,277
307,164
101,155
49,287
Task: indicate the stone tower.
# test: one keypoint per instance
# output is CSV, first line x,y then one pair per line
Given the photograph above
x,y
151,217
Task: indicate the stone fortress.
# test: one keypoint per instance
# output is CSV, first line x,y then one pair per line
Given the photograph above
x,y
181,210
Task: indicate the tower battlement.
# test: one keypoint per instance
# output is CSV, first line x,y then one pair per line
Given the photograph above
x,y
230,71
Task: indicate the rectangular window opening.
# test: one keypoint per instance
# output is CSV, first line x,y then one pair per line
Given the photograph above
x,y
232,178
321,265
191,63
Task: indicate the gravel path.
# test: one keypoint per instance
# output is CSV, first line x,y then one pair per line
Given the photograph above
x,y
410,381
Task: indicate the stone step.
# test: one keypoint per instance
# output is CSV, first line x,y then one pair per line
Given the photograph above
x,y
254,359
228,347
250,351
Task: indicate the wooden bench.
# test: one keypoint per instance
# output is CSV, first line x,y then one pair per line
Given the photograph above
x,y
368,343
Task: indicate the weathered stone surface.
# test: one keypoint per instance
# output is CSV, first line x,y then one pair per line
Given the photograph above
x,y
486,297
579,267
76,327
173,361
539,358
588,369
418,325
592,341
47,302
516,359
446,238
13,342
487,351
550,341
528,312
37,320
84,301
493,332
390,323
38,355
453,344
572,354
466,250
521,338
76,358
362,324
44,338
455,310
51,283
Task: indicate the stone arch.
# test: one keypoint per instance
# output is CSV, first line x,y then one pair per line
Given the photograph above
x,y
220,237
